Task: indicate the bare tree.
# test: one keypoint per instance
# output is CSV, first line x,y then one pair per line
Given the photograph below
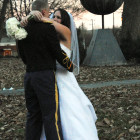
x,y
21,8
74,6
131,19
131,29
3,6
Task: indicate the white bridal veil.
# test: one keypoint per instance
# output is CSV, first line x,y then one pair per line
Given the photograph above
x,y
74,45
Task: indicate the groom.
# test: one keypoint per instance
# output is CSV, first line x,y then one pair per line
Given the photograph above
x,y
39,52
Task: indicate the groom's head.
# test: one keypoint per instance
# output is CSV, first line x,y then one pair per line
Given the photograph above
x,y
42,6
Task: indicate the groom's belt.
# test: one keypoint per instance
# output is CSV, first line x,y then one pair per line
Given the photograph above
x,y
39,68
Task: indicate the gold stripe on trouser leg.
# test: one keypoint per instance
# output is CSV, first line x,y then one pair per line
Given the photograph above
x,y
56,113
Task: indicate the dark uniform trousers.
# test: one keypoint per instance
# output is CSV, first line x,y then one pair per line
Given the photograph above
x,y
42,103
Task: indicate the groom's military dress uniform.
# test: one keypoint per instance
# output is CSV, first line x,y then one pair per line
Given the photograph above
x,y
39,52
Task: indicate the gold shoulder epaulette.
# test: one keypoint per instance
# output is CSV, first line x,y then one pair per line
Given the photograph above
x,y
47,22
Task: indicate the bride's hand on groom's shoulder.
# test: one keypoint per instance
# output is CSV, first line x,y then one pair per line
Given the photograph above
x,y
37,15
24,21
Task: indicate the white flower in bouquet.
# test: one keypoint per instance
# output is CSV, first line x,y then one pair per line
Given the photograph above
x,y
21,34
14,30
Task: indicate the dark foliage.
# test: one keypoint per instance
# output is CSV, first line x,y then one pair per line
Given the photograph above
x,y
131,48
8,56
82,51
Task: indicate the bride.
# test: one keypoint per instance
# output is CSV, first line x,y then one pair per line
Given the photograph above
x,y
77,113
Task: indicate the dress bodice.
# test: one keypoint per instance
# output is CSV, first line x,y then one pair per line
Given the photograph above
x,y
68,52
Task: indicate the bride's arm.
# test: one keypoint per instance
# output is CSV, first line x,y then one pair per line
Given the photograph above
x,y
63,30
37,16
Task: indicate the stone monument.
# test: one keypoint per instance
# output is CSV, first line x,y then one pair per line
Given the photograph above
x,y
103,49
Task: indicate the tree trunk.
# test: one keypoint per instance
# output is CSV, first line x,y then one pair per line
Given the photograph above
x,y
131,19
11,7
2,16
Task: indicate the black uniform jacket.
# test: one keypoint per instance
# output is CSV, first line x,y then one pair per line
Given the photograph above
x,y
41,48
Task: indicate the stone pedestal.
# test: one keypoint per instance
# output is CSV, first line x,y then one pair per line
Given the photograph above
x,y
104,50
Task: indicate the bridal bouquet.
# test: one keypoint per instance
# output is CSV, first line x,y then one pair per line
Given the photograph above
x,y
14,30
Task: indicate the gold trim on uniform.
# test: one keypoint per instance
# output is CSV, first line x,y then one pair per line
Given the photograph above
x,y
56,113
66,60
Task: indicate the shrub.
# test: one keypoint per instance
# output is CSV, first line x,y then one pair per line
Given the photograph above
x,y
131,48
82,51
1,56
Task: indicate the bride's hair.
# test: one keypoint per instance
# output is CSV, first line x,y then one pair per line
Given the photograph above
x,y
65,18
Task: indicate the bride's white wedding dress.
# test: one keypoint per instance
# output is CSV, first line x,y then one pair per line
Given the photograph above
x,y
77,113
